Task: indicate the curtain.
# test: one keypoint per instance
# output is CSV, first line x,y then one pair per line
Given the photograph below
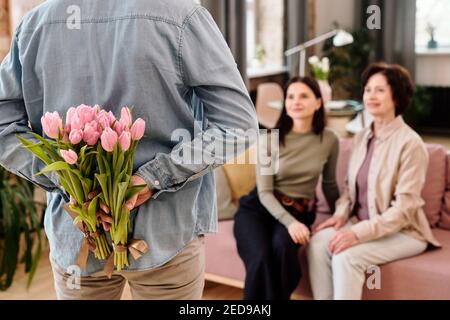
x,y
230,17
395,40
296,27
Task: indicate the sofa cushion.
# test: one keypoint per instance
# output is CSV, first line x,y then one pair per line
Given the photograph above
x,y
434,188
225,206
445,212
241,174
222,258
418,277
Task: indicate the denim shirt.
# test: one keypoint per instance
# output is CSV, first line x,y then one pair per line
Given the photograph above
x,y
167,59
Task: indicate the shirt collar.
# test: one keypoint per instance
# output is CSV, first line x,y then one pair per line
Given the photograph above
x,y
387,131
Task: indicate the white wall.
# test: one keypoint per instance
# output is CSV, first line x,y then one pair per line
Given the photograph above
x,y
18,8
433,69
328,11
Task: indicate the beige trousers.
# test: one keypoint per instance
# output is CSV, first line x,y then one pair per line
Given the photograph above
x,y
182,278
341,276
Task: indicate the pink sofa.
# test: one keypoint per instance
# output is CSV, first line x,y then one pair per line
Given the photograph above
x,y
426,276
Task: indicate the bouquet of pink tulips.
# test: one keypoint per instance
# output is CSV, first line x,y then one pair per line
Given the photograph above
x,y
93,155
70,152
115,157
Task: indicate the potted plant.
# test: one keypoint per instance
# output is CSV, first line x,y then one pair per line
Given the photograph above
x,y
432,43
348,64
321,71
20,229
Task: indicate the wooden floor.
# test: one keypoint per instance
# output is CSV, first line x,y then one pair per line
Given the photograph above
x,y
42,287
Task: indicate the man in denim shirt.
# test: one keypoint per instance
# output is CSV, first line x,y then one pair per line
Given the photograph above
x,y
168,59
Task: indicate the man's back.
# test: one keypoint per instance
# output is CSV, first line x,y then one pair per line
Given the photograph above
x,y
158,56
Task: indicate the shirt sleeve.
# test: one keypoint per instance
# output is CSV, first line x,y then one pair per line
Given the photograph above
x,y
407,199
329,185
208,68
265,176
14,121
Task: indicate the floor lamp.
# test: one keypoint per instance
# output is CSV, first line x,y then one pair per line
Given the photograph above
x,y
341,38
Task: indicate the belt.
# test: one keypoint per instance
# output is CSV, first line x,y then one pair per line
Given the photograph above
x,y
300,205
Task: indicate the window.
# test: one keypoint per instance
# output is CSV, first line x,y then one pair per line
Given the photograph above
x,y
432,19
265,33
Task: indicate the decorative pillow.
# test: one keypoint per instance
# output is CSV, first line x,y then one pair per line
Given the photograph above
x,y
241,174
225,206
434,188
445,212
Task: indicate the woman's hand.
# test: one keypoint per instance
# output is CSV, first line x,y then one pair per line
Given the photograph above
x,y
336,222
299,233
342,240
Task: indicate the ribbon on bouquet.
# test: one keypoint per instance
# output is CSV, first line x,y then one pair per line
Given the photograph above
x,y
88,243
136,247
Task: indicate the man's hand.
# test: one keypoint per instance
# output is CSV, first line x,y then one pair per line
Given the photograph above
x,y
141,196
342,240
299,232
336,222
103,214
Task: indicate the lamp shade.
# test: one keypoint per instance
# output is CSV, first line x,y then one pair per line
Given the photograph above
x,y
342,38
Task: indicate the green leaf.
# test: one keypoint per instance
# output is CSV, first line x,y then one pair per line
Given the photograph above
x,y
49,145
133,190
55,166
92,210
101,165
119,164
77,220
35,149
122,189
103,180
83,151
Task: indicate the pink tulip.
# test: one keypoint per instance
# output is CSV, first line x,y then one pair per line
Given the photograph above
x,y
137,129
118,128
91,133
76,123
52,124
104,119
125,117
69,156
76,136
69,117
109,139
125,140
112,118
86,113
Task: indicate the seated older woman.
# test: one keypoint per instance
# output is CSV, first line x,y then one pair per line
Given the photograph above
x,y
382,194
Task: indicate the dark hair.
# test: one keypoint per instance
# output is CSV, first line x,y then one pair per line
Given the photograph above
x,y
399,80
285,122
